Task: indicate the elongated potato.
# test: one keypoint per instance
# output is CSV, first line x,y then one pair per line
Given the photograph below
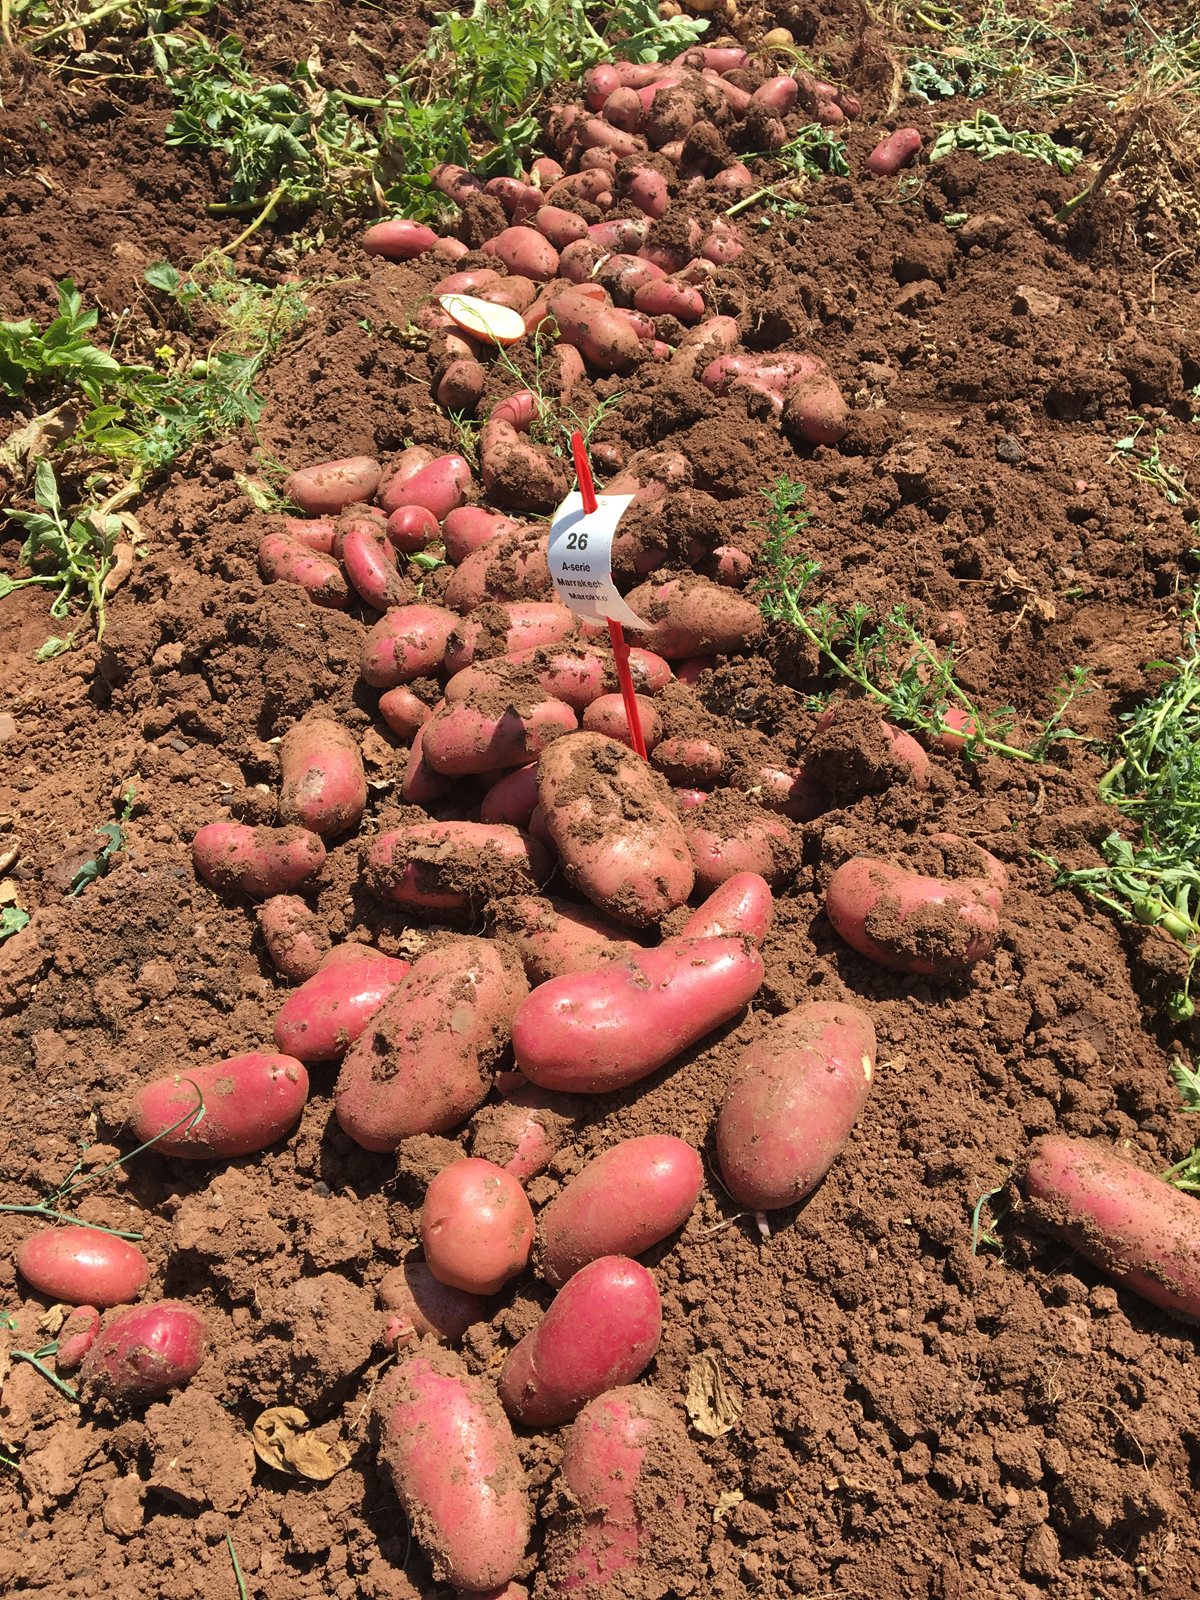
x,y
623,1202
318,491
616,828
83,1265
423,1062
324,786
511,567
793,1099
398,240
297,940
742,907
283,559
693,617
1139,1230
453,866
554,937
407,643
590,1032
258,861
450,1454
500,628
325,1015
511,801
486,733
249,1102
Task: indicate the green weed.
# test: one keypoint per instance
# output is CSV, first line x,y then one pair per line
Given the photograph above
x,y
1018,58
1145,462
985,137
61,355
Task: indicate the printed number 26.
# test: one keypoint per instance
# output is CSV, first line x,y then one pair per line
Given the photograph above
x,y
577,541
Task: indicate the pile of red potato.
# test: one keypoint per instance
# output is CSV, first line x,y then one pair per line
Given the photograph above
x,y
562,996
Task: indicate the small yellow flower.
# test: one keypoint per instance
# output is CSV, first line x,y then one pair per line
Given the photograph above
x,y
165,352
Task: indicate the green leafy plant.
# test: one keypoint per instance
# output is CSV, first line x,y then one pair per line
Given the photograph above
x,y
888,660
1185,1174
1145,462
114,835
985,136
1018,58
60,353
74,557
12,920
812,153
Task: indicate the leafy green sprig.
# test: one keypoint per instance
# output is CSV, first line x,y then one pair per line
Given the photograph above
x,y
61,353
73,556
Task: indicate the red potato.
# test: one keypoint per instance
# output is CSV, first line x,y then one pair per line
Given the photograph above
x,y
733,178
958,727
692,617
651,475
725,841
404,464
323,1018
562,228
324,787
554,937
600,135
631,1197
449,1451
473,281
538,830
894,152
324,490
701,345
670,113
601,1331
297,940
450,866
591,1032
145,1352
621,233
562,125
398,240
580,259
904,747
689,799
731,567
439,487
282,559
430,1306
623,109
742,907
413,528
598,83
668,299
408,642
78,1265
580,675
511,801
777,95
565,369
786,790
469,528
450,249
76,1337
545,171
523,1132
903,919
259,861
516,292
476,1226
693,763
460,388
721,57
739,99
689,671
581,185
722,245
403,711
421,785
605,339
637,74
635,1478
367,519
646,188
316,532
455,181
249,1102
772,376
528,625
607,715
516,473
624,275
508,191
814,408
1124,1220
794,1096
477,735
615,827
423,1062
829,114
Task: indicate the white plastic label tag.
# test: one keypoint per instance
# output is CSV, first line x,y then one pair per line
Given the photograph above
x,y
580,558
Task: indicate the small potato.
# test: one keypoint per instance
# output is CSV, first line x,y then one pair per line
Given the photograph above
x,y
511,801
411,529
398,240
480,734
430,1306
249,1102
631,1197
325,490
324,786
450,250
598,83
460,387
647,189
787,790
958,727
742,907
76,1337
258,861
323,1018
145,1352
525,251
591,1032
469,528
522,1133
439,487
624,110
554,937
607,715
476,1226
793,1099
601,1331
692,617
560,227
423,1062
731,566
408,642
730,835
509,192
282,559
894,152
297,940
622,233
454,181
453,866
604,339
83,1265
778,95
693,763
615,827
471,282
814,409
404,712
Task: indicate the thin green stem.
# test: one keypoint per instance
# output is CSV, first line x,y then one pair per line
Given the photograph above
x,y
237,1568
63,1388
264,215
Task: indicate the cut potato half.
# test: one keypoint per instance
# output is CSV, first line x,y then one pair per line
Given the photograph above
x,y
483,320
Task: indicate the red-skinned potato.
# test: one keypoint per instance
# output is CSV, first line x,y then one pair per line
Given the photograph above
x,y
362,519
1126,1221
259,861
553,937
408,642
320,491
916,923
623,1518
430,1306
787,790
516,473
667,299
607,715
145,1352
647,189
450,250
814,408
731,835
624,110
631,1197
600,135
451,866
439,487
522,1133
76,1337
582,674
449,1451
743,907
316,532
771,376
588,186
598,83
478,735
413,528
398,240
472,281
421,785
455,181
323,1018
423,1062
580,259
621,233
516,292
615,827
81,1265
403,711
404,464
370,564
282,559
793,1099
511,801
691,616
604,338
476,1226
510,567
460,388
601,1331
545,172
778,95
958,727
324,787
590,1032
502,629
297,940
249,1102
562,228
469,528
894,152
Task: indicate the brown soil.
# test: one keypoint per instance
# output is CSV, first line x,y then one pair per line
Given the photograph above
x,y
918,1419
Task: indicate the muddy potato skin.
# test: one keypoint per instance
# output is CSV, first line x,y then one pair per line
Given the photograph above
x,y
79,1266
742,907
476,1226
449,1451
423,1063
616,828
793,1099
144,1353
258,861
249,1102
328,488
435,866
326,1014
324,786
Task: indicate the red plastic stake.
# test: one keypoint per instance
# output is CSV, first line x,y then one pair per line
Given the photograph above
x,y
615,631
